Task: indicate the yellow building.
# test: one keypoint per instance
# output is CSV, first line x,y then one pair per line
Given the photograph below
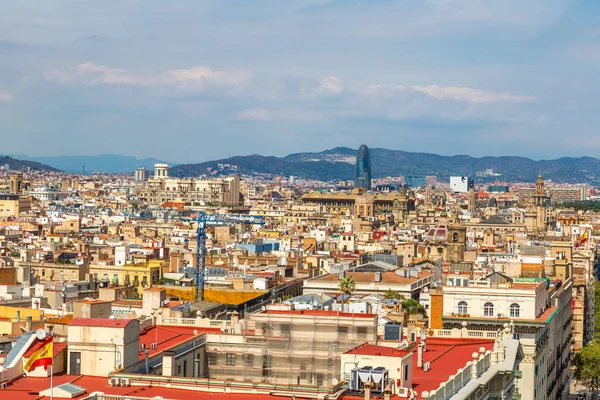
x,y
139,276
11,205
12,319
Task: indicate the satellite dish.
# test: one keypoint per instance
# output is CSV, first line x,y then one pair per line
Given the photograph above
x,y
334,381
195,332
40,334
112,317
263,308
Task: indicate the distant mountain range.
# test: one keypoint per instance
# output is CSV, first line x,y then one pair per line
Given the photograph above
x,y
338,164
110,163
22,165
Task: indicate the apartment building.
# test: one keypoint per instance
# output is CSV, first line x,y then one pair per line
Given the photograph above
x,y
161,189
537,310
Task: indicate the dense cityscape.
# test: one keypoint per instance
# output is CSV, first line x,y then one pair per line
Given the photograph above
x,y
299,199
139,285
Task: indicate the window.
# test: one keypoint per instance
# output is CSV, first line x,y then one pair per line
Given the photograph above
x,y
405,373
249,360
229,358
362,331
285,329
515,310
488,309
462,308
343,330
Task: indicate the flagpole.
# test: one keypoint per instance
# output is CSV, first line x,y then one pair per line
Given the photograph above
x,y
52,369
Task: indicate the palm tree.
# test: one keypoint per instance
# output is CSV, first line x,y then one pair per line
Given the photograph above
x,y
347,286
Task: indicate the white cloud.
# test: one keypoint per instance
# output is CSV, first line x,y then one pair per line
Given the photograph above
x,y
470,95
253,114
205,74
5,97
333,85
262,114
93,74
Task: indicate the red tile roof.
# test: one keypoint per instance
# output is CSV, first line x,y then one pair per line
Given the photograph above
x,y
446,357
383,351
29,388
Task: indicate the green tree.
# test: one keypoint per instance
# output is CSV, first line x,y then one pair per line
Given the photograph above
x,y
413,306
587,366
393,295
347,286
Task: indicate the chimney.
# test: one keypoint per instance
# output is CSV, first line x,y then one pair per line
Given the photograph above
x,y
420,355
18,315
168,363
377,276
387,392
29,323
341,273
368,385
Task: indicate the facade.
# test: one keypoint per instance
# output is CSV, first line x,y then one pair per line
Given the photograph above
x,y
141,174
98,346
290,346
536,311
461,184
415,181
363,168
11,205
197,192
557,194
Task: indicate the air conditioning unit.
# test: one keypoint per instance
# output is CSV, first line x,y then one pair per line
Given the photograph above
x,y
426,367
403,392
125,382
114,382
500,315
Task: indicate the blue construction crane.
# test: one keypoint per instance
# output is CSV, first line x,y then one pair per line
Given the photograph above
x,y
214,219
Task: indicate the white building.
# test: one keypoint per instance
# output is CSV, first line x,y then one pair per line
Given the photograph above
x,y
219,191
537,310
461,184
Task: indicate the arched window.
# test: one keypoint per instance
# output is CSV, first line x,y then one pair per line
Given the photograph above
x,y
488,309
455,237
462,308
515,310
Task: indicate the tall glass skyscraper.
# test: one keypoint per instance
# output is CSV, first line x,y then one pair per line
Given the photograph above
x,y
363,168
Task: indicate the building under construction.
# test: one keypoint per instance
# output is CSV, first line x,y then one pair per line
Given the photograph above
x,y
281,345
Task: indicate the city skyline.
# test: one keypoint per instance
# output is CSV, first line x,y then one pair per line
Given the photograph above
x,y
208,80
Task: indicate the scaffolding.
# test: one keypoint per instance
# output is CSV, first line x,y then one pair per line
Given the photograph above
x,y
298,350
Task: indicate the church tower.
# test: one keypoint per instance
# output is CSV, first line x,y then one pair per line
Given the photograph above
x,y
540,201
456,243
471,201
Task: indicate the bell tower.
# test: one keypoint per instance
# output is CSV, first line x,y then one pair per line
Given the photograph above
x,y
540,201
456,243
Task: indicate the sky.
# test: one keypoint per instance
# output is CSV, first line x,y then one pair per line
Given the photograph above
x,y
195,80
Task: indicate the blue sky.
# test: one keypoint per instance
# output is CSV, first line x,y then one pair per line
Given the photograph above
x,y
194,80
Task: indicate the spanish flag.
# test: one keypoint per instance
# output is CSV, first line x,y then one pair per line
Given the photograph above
x,y
583,238
42,356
